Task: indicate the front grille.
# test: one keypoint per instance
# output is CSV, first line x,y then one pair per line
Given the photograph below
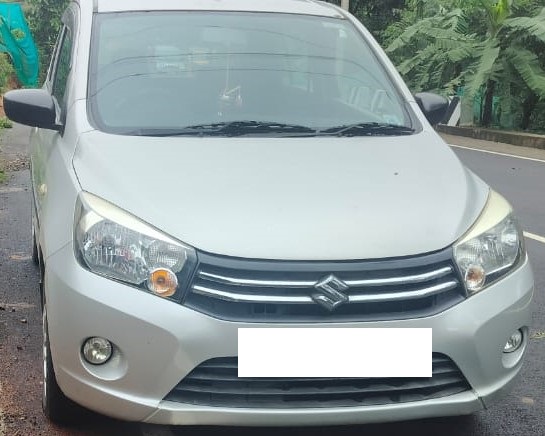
x,y
215,383
278,291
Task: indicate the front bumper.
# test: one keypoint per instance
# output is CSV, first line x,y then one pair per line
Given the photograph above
x,y
159,342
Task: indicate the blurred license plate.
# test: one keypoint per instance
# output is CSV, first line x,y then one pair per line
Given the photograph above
x,y
334,352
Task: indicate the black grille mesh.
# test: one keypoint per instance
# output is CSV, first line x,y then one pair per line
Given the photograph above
x,y
215,383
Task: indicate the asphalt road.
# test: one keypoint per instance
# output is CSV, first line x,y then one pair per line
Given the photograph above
x,y
522,413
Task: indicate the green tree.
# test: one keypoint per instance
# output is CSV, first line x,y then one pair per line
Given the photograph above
x,y
44,18
432,52
376,15
6,72
483,45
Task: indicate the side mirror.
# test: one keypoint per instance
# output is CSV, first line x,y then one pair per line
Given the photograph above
x,y
434,106
32,107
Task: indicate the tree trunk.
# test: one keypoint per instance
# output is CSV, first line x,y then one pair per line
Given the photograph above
x,y
487,111
528,107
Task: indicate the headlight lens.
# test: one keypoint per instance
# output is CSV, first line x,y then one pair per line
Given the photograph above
x,y
115,244
491,248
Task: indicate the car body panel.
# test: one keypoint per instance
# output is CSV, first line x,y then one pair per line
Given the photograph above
x,y
335,198
163,342
306,7
317,198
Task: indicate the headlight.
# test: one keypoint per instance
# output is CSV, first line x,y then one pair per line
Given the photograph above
x,y
117,245
491,248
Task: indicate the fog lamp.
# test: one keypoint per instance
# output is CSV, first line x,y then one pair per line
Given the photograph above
x,y
163,282
97,351
514,342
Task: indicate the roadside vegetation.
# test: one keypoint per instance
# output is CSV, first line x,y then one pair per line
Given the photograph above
x,y
491,53
44,19
6,75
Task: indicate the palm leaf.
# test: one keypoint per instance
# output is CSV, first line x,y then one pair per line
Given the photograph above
x,y
483,68
531,26
408,34
527,66
422,57
497,12
461,53
446,28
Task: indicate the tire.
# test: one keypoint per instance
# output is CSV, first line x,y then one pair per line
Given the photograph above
x,y
56,406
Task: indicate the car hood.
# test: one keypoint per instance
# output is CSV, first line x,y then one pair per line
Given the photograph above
x,y
324,198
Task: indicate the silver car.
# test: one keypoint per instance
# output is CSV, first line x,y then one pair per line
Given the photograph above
x,y
206,166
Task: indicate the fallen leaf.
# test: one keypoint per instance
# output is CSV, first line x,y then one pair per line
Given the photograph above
x,y
19,257
528,401
538,335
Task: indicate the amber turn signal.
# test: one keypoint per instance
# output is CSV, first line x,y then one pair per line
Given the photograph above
x,y
163,282
475,278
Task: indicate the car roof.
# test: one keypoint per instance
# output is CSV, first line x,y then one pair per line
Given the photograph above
x,y
304,7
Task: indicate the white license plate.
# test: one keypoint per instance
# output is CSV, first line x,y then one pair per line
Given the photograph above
x,y
334,352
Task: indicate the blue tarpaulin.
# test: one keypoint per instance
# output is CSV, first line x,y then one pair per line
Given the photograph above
x,y
17,42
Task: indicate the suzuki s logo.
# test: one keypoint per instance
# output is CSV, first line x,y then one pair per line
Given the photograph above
x,y
329,292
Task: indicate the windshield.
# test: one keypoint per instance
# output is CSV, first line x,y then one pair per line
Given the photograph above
x,y
196,73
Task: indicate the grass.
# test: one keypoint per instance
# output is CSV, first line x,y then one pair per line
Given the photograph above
x,y
5,123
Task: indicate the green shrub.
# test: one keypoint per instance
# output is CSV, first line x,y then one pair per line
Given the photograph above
x,y
5,123
6,72
44,17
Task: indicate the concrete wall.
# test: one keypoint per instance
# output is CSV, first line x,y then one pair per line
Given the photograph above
x,y
514,138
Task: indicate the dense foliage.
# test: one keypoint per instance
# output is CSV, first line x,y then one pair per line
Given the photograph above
x,y
490,51
493,51
44,18
377,15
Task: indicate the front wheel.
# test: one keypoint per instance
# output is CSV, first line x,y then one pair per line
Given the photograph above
x,y
57,407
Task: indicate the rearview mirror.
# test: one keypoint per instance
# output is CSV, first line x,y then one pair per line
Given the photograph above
x,y
434,106
32,107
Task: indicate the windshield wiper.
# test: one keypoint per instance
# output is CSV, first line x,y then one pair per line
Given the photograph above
x,y
231,128
368,129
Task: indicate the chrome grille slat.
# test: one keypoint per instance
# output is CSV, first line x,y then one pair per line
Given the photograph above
x,y
260,283
407,280
250,298
411,279
404,295
294,299
293,291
